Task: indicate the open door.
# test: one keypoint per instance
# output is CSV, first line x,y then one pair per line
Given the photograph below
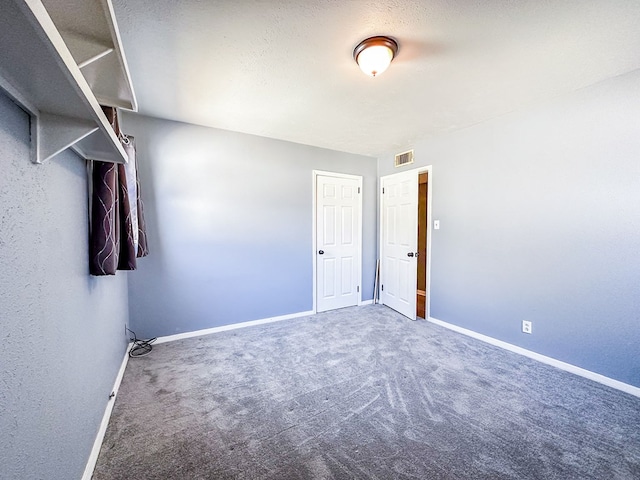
x,y
405,241
399,242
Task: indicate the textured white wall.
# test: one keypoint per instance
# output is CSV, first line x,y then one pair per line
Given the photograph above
x,y
540,221
61,331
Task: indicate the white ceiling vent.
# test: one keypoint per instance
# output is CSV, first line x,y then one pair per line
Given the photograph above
x,y
404,158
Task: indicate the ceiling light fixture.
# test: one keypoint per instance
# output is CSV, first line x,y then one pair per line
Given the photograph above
x,y
374,54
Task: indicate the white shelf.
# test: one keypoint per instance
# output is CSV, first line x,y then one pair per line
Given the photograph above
x,y
90,31
40,72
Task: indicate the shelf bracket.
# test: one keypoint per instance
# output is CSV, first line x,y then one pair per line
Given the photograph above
x,y
51,134
85,50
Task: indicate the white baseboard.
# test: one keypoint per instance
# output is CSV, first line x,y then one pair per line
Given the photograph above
x,y
233,326
596,377
366,302
97,444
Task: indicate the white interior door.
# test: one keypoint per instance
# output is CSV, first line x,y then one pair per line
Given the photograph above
x,y
399,245
338,244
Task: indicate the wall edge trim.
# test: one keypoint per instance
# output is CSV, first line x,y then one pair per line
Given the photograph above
x,y
233,326
102,430
567,367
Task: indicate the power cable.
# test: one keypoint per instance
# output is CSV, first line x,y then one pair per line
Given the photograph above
x,y
140,348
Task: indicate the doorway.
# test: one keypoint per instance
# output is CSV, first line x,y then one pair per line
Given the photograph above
x,y
423,233
405,241
337,240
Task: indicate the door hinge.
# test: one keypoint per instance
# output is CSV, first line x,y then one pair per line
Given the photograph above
x,y
358,288
358,189
382,287
383,190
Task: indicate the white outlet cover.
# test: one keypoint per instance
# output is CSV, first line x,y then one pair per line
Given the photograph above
x,y
436,224
527,326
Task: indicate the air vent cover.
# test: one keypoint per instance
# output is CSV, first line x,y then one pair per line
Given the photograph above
x,y
404,158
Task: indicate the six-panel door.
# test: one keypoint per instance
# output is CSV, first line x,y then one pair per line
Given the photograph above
x,y
337,242
398,270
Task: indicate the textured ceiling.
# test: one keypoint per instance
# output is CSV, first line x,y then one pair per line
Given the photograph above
x,y
284,68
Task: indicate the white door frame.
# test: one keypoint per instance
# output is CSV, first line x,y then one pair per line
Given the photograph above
x,y
315,174
418,170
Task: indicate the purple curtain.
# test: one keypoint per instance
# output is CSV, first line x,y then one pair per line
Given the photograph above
x,y
117,229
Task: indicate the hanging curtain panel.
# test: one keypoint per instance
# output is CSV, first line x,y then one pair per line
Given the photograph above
x,y
127,254
137,209
130,172
117,229
143,249
104,242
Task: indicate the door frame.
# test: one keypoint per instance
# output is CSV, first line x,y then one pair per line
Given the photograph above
x,y
315,175
416,171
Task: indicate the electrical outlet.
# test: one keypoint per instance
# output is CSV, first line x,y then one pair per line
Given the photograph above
x,y
526,326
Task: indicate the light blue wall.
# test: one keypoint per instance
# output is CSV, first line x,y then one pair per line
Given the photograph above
x,y
61,332
540,220
230,225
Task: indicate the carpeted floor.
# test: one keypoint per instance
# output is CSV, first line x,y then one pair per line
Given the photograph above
x,y
362,393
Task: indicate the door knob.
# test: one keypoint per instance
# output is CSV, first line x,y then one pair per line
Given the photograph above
x,y
410,254
417,253
321,252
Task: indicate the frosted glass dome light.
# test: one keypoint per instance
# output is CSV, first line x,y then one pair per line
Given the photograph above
x,y
374,54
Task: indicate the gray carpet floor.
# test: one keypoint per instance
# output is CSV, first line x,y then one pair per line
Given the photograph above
x,y
362,393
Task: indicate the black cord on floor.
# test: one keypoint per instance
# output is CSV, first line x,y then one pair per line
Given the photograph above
x,y
140,348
